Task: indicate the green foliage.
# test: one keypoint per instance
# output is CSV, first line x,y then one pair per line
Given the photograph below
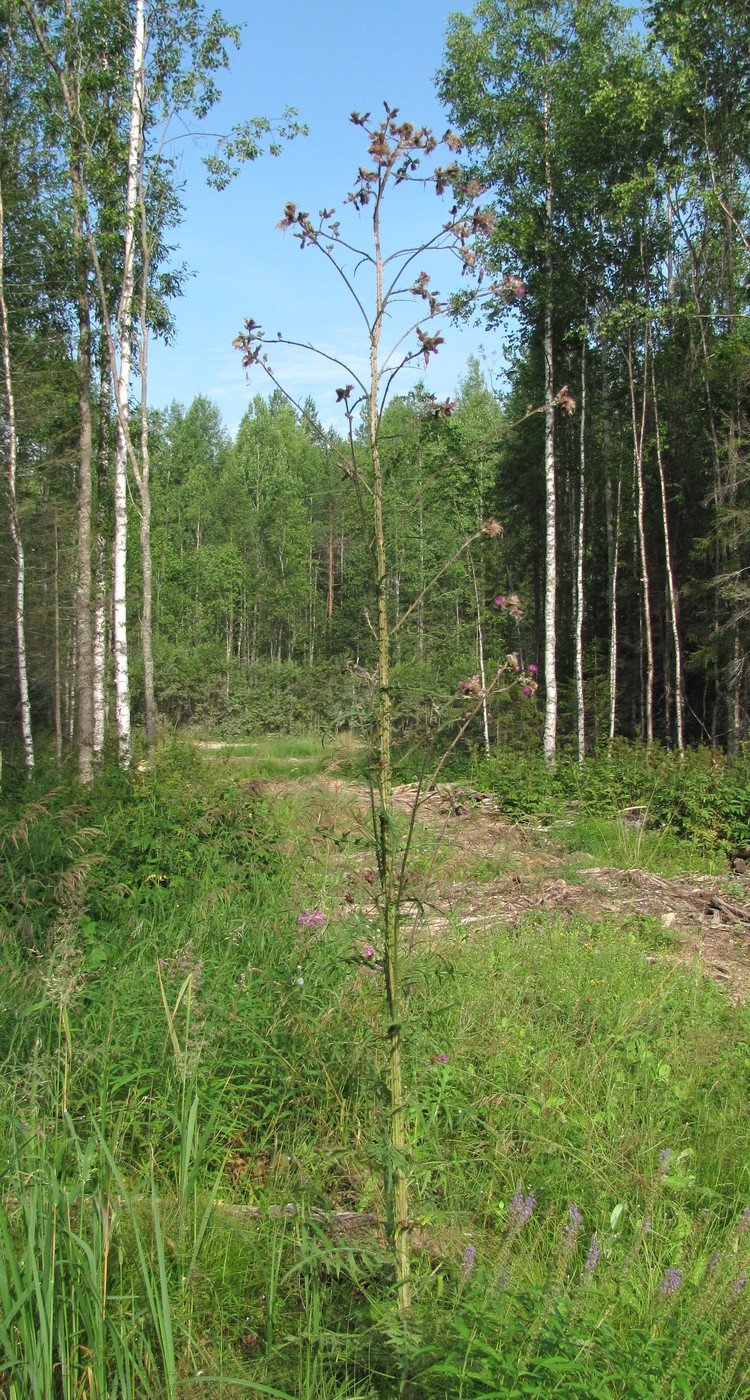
x,y
161,1109
702,797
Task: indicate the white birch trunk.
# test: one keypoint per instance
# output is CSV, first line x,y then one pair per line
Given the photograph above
x,y
671,589
143,480
639,434
122,387
15,531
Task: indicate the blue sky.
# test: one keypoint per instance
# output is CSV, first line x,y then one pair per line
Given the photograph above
x,y
326,60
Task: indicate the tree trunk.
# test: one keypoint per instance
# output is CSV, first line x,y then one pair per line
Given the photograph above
x,y
15,529
99,640
613,618
639,434
578,661
58,668
480,651
143,481
550,589
671,589
122,388
84,648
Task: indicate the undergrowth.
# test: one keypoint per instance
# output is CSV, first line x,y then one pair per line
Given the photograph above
x,y
193,1086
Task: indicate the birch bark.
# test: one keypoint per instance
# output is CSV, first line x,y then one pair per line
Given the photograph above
x,y
11,447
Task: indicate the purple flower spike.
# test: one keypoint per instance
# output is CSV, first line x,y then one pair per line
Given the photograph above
x,y
671,1282
520,1209
575,1220
592,1258
470,1255
665,1157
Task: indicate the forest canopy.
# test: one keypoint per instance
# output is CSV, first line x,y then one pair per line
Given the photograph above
x,y
150,560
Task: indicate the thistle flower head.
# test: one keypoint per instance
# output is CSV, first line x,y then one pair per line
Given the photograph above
x,y
314,919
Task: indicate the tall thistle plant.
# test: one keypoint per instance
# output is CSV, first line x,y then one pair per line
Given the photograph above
x,y
390,288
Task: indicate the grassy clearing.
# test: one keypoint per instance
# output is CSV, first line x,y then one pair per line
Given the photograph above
x,y
193,1086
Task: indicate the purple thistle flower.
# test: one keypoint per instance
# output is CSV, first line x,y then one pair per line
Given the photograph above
x,y
670,1282
315,919
592,1258
442,1059
467,1267
368,952
532,670
464,687
526,690
499,601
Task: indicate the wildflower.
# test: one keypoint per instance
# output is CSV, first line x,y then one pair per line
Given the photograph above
x,y
564,400
575,1221
740,1283
315,919
464,687
499,601
664,1159
532,670
526,690
592,1258
343,394
520,1210
469,1260
670,1282
368,952
442,1059
512,661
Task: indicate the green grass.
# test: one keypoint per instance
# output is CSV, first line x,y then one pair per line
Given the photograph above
x,y
182,1060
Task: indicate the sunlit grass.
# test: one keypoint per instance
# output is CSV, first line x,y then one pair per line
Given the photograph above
x,y
188,1097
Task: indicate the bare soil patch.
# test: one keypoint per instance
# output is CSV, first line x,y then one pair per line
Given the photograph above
x,y
472,869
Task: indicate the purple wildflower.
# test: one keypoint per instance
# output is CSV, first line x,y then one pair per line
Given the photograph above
x,y
520,1210
740,1283
532,670
670,1282
442,1059
526,690
499,601
368,952
664,1158
592,1258
469,1260
315,919
575,1220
